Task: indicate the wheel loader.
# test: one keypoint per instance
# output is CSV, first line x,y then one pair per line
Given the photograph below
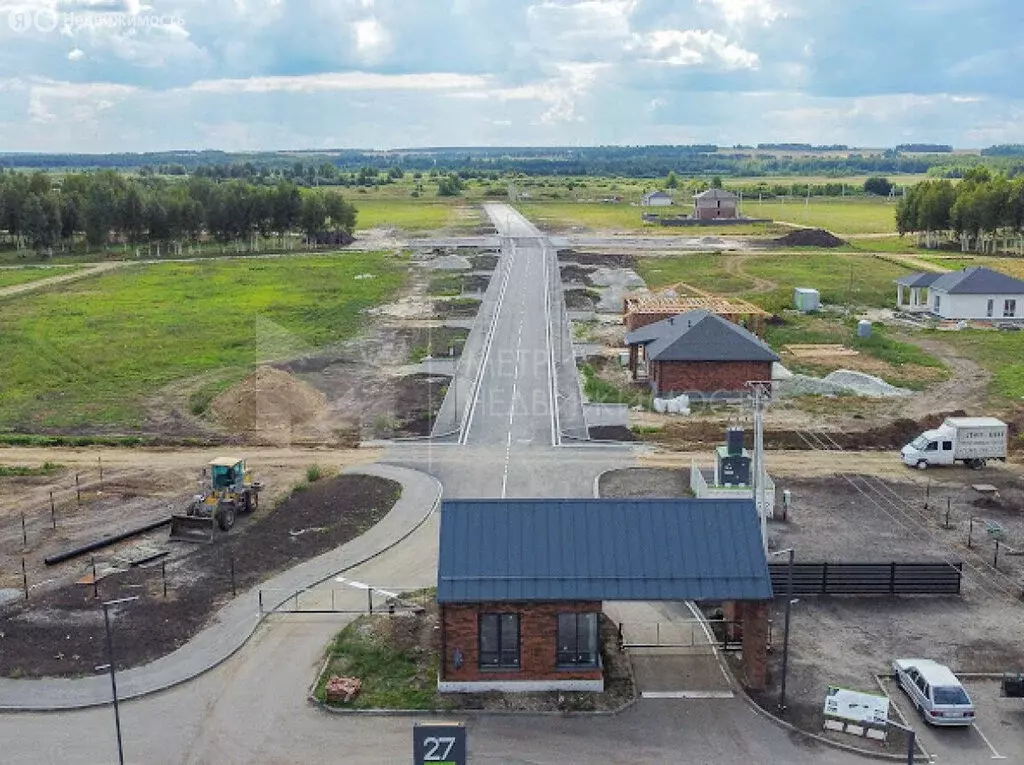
x,y
231,491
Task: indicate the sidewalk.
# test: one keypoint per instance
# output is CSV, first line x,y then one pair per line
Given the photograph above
x,y
238,620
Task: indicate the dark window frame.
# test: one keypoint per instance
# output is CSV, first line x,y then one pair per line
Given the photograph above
x,y
579,657
503,657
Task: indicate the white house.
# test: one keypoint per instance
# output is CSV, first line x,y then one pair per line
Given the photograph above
x,y
656,199
973,293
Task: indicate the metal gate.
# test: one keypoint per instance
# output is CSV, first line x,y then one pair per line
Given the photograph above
x,y
696,636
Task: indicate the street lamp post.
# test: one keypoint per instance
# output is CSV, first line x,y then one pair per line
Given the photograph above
x,y
113,680
785,629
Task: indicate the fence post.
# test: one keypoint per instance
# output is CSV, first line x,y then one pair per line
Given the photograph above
x,y
53,512
927,493
824,578
261,601
369,595
332,599
657,633
163,575
78,490
95,583
100,461
948,502
970,531
995,560
24,577
24,533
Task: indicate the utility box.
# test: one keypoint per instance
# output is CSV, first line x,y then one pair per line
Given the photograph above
x,y
806,299
734,440
863,328
732,469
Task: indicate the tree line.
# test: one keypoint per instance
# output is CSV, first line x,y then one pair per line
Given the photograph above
x,y
41,211
979,209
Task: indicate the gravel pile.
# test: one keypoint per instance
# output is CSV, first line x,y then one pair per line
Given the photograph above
x,y
838,383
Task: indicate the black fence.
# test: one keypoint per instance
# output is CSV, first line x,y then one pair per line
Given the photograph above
x,y
868,578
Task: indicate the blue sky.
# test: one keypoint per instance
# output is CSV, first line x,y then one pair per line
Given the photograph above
x,y
140,75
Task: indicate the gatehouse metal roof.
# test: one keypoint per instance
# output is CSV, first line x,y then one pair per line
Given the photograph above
x,y
601,549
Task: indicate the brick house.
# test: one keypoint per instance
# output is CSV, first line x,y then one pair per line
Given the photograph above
x,y
715,203
521,582
698,352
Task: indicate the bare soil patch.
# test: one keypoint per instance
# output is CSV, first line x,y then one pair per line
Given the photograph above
x,y
60,632
457,308
581,299
612,260
645,482
612,433
268,405
808,237
484,262
416,400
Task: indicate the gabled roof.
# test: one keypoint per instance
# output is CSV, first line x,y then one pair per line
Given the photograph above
x,y
978,280
715,194
660,194
601,549
918,280
700,336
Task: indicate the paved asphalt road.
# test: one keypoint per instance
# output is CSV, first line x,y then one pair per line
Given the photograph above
x,y
253,708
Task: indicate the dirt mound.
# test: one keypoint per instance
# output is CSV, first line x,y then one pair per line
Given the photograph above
x,y
809,237
269,400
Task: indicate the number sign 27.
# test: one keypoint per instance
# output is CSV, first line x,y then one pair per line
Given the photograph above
x,y
435,744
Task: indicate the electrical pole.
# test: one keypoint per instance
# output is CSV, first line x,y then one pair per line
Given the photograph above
x,y
762,391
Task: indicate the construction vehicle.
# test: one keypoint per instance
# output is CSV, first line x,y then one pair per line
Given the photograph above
x,y
231,490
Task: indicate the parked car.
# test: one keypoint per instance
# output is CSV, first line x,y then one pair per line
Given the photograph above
x,y
934,691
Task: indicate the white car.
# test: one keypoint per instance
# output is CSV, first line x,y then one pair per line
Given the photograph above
x,y
935,691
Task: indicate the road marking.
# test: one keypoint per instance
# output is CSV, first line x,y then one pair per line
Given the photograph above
x,y
363,586
995,754
687,695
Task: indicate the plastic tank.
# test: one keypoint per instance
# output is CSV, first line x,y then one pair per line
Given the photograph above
x,y
863,328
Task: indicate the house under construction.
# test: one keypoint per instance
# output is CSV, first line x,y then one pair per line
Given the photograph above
x,y
639,310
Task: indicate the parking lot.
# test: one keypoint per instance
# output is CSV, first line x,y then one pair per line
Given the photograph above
x,y
997,734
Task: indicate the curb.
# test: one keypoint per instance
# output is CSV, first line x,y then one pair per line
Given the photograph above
x,y
262,618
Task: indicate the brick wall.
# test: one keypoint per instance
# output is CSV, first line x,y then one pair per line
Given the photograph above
x,y
538,636
707,376
755,643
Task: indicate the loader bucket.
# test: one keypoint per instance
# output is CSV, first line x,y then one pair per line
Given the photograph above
x,y
192,528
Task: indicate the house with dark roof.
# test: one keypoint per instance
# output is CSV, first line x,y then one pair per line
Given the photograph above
x,y
521,583
973,293
715,203
698,352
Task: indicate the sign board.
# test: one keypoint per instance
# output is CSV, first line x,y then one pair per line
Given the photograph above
x,y
439,744
855,706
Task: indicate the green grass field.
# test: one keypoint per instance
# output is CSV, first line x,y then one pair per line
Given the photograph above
x,y
564,216
90,353
1002,353
841,216
415,215
10,277
768,279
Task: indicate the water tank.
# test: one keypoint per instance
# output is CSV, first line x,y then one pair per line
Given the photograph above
x,y
734,440
863,328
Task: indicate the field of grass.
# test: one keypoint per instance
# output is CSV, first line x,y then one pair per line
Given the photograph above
x,y
842,278
9,277
565,216
414,215
841,216
1002,353
89,354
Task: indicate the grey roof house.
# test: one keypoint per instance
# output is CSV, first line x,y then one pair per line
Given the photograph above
x,y
521,583
698,352
973,293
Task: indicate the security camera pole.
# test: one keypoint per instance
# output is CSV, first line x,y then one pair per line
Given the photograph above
x,y
785,634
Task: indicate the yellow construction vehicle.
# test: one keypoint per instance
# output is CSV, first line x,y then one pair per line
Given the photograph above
x,y
231,490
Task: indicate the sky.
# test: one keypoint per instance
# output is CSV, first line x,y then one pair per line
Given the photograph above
x,y
246,75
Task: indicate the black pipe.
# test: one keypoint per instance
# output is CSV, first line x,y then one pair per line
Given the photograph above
x,y
106,542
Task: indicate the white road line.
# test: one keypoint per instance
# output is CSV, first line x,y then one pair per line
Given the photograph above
x,y
552,381
995,754
362,586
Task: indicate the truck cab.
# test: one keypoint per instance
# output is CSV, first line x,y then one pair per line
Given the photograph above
x,y
971,440
933,447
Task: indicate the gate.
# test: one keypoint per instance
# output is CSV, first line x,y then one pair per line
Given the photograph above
x,y
684,635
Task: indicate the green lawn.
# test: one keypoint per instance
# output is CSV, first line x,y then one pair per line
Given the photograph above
x,y
89,354
703,270
841,216
414,215
10,277
1001,353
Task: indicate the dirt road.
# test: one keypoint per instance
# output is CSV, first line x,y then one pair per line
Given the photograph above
x,y
20,289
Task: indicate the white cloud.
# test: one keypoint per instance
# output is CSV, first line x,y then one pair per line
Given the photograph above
x,y
745,11
373,41
696,47
77,54
341,81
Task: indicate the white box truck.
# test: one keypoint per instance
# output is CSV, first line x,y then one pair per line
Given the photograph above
x,y
971,440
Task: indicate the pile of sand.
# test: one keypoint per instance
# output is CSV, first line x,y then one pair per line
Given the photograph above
x,y
809,237
266,401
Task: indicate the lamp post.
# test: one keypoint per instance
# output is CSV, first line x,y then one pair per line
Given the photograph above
x,y
785,632
113,680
